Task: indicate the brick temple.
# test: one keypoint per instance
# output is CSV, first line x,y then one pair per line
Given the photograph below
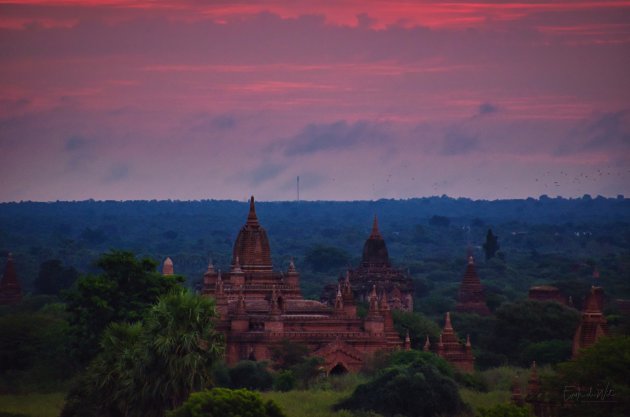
x,y
260,308
593,324
10,289
451,349
471,297
376,269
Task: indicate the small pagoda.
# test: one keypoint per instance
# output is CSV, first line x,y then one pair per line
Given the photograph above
x,y
471,297
10,289
167,267
451,349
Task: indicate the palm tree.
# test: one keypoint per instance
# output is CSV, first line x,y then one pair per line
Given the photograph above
x,y
151,366
181,346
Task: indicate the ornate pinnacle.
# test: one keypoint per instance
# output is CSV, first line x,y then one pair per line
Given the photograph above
x,y
252,219
447,324
375,232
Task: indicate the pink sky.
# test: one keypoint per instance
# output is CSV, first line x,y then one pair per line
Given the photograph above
x,y
121,99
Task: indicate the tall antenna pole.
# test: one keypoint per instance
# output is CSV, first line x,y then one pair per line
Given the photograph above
x,y
298,189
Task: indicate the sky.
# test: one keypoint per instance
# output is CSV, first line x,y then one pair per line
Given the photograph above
x,y
212,99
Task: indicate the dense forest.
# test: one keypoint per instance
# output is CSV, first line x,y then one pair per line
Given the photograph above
x,y
541,240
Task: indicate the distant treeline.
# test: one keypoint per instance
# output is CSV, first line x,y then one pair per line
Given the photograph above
x,y
429,236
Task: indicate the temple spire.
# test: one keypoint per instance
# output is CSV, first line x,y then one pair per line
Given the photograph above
x,y
376,234
252,219
447,324
427,344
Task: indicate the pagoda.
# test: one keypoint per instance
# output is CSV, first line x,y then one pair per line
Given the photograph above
x,y
449,347
10,289
167,267
260,308
471,297
593,324
376,269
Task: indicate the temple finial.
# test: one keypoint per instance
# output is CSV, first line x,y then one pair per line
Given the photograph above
x,y
447,324
252,219
375,232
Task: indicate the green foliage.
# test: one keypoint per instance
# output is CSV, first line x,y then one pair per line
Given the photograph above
x,y
416,357
504,410
520,324
418,325
602,368
547,352
288,355
415,390
145,368
54,277
122,293
284,381
34,350
250,375
308,372
326,258
223,402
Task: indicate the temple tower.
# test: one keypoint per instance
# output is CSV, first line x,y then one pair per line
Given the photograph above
x,y
10,289
449,348
593,324
471,297
251,249
376,269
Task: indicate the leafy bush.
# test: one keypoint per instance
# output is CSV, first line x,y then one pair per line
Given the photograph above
x,y
284,381
418,389
250,375
223,402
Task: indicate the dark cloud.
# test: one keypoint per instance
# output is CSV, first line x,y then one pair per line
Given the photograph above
x,y
335,136
224,122
486,108
209,123
608,132
459,143
259,175
117,172
75,143
79,153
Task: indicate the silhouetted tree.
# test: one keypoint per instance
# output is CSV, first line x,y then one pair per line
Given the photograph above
x,y
54,277
491,246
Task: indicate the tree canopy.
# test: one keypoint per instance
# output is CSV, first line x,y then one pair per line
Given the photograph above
x,y
416,385
123,292
151,366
